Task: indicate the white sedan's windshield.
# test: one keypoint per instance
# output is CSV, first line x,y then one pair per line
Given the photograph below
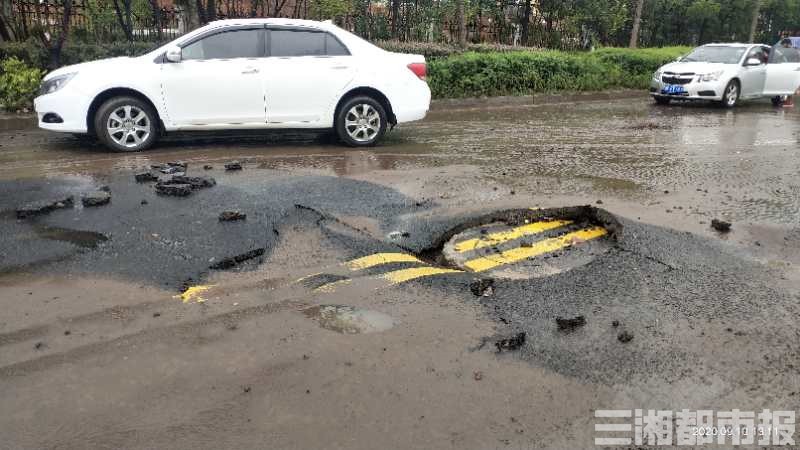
x,y
715,54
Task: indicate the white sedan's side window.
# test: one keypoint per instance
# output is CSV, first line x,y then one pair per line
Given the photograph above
x,y
226,45
285,43
784,55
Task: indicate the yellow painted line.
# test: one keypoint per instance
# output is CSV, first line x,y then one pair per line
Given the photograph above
x,y
301,279
539,248
380,258
402,275
193,293
504,236
330,287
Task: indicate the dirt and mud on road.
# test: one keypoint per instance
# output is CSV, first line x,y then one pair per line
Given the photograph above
x,y
487,278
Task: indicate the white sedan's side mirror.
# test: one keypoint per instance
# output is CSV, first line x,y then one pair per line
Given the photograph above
x,y
752,62
173,54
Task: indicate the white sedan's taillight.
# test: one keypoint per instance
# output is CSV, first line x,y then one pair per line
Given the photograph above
x,y
419,69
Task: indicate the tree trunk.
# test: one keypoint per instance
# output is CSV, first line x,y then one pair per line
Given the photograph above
x,y
395,17
54,47
754,22
637,20
156,18
124,17
211,10
6,30
462,23
526,22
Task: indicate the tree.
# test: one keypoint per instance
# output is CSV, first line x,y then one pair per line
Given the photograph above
x,y
6,31
754,20
124,17
526,22
53,42
637,20
461,19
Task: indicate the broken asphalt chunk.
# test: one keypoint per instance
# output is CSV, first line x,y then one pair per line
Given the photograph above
x,y
229,216
482,287
570,324
98,198
511,343
43,207
721,225
233,165
175,190
625,337
233,261
144,177
195,182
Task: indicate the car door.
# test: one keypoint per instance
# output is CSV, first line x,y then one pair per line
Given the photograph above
x,y
783,71
753,77
306,72
219,81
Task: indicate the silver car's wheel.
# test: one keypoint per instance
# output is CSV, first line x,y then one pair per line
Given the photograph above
x,y
731,94
129,126
362,122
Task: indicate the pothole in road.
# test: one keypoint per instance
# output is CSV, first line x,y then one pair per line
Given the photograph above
x,y
523,244
349,320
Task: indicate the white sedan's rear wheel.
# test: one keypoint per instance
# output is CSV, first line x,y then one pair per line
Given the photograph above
x,y
361,122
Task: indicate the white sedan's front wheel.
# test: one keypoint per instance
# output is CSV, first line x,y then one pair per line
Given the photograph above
x,y
126,124
361,122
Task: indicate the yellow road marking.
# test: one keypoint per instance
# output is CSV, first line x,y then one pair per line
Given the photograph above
x,y
403,275
380,258
503,236
194,293
330,287
539,248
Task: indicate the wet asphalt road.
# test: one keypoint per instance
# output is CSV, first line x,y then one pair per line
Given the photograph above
x,y
711,315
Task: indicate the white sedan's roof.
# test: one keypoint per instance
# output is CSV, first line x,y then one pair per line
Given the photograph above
x,y
732,44
272,21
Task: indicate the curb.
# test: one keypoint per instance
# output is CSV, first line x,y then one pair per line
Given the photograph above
x,y
16,122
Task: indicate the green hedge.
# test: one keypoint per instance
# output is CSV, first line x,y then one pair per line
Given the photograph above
x,y
524,72
18,84
72,53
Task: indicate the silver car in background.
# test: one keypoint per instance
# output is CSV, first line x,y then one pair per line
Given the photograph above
x,y
727,73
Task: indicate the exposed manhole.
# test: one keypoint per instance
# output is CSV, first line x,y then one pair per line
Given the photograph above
x,y
349,320
528,244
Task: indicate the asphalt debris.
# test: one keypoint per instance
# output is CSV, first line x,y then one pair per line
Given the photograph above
x,y
720,225
43,207
511,343
625,337
482,287
175,190
230,216
570,324
98,198
233,165
233,261
145,177
195,182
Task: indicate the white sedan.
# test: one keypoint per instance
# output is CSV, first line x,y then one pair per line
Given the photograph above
x,y
240,74
727,73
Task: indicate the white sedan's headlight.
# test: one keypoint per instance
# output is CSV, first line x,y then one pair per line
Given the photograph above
x,y
55,83
657,75
713,76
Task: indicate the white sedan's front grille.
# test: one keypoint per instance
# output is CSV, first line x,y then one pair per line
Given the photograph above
x,y
677,78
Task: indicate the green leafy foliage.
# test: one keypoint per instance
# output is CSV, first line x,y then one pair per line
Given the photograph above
x,y
73,53
475,74
18,84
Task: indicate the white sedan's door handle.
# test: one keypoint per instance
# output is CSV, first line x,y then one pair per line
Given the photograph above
x,y
249,70
340,67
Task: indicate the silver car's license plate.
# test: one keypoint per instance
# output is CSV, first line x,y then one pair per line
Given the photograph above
x,y
673,89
